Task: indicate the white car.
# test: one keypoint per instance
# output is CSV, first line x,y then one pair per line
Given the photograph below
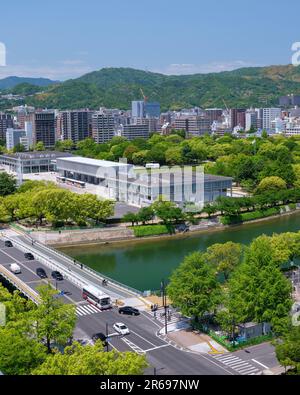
x,y
121,328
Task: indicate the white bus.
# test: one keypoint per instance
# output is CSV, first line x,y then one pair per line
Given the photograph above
x,y
95,296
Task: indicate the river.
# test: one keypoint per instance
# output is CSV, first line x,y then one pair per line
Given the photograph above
x,y
143,264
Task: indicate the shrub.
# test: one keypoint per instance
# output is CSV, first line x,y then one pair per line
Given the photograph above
x,y
151,230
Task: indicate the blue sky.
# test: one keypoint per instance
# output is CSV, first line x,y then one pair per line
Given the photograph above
x,y
63,39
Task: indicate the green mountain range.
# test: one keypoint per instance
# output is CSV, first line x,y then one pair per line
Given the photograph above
x,y
12,82
117,87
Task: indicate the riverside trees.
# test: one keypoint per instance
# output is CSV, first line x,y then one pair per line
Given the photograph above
x,y
38,202
255,288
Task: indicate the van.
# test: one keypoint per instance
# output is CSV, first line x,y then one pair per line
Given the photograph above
x,y
15,268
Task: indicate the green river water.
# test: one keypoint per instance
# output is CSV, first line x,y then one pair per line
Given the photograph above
x,y
143,264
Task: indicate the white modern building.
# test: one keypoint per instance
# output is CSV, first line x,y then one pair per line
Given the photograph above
x,y
268,116
140,186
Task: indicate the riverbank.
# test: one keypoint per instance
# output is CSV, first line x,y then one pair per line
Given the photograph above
x,y
109,237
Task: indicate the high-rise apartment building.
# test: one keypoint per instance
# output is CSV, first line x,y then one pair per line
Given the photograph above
x,y
269,115
237,117
45,128
138,109
76,125
6,122
103,127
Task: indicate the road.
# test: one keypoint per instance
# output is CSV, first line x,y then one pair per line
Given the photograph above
x,y
143,337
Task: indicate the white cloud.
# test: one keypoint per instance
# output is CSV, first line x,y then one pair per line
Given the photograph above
x,y
213,67
62,71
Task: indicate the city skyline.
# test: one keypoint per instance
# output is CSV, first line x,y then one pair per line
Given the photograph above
x,y
62,42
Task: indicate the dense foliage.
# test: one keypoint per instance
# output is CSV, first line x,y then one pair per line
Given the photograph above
x,y
43,202
254,288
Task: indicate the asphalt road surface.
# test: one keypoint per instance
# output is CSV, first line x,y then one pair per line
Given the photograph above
x,y
143,337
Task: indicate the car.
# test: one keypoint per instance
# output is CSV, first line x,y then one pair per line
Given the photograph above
x,y
128,310
29,256
14,268
8,243
41,272
100,336
57,275
121,328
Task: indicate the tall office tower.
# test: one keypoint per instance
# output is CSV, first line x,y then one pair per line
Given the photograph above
x,y
138,109
76,125
214,114
45,128
269,115
6,122
103,127
237,117
152,109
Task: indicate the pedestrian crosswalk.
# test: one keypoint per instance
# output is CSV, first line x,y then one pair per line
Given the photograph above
x,y
87,309
239,365
159,315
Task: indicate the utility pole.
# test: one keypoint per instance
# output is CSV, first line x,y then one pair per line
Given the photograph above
x,y
164,298
107,337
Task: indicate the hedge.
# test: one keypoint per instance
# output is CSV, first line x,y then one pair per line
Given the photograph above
x,y
151,230
244,217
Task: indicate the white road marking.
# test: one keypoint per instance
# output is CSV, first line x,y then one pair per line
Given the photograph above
x,y
158,347
154,345
261,364
133,346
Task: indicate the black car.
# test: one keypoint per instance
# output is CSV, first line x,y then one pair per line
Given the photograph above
x,y
8,243
41,272
129,310
100,336
57,276
29,256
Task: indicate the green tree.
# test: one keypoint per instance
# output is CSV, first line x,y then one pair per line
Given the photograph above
x,y
19,353
7,184
55,320
193,287
130,217
92,360
257,290
39,146
145,214
224,257
288,350
271,184
168,212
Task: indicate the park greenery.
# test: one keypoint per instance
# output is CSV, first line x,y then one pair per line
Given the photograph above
x,y
38,340
40,203
230,285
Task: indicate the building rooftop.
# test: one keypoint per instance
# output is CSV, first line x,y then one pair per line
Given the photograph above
x,y
93,162
37,155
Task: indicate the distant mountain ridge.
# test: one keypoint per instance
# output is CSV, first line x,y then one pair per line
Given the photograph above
x,y
12,82
117,87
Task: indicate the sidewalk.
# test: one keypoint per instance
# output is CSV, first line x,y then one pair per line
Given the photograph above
x,y
196,341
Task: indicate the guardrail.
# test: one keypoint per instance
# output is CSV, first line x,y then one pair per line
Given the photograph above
x,y
73,278
96,274
19,284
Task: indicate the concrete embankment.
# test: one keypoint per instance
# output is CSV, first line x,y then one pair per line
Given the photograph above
x,y
75,237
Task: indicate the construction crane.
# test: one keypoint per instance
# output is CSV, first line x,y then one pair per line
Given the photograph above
x,y
143,94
